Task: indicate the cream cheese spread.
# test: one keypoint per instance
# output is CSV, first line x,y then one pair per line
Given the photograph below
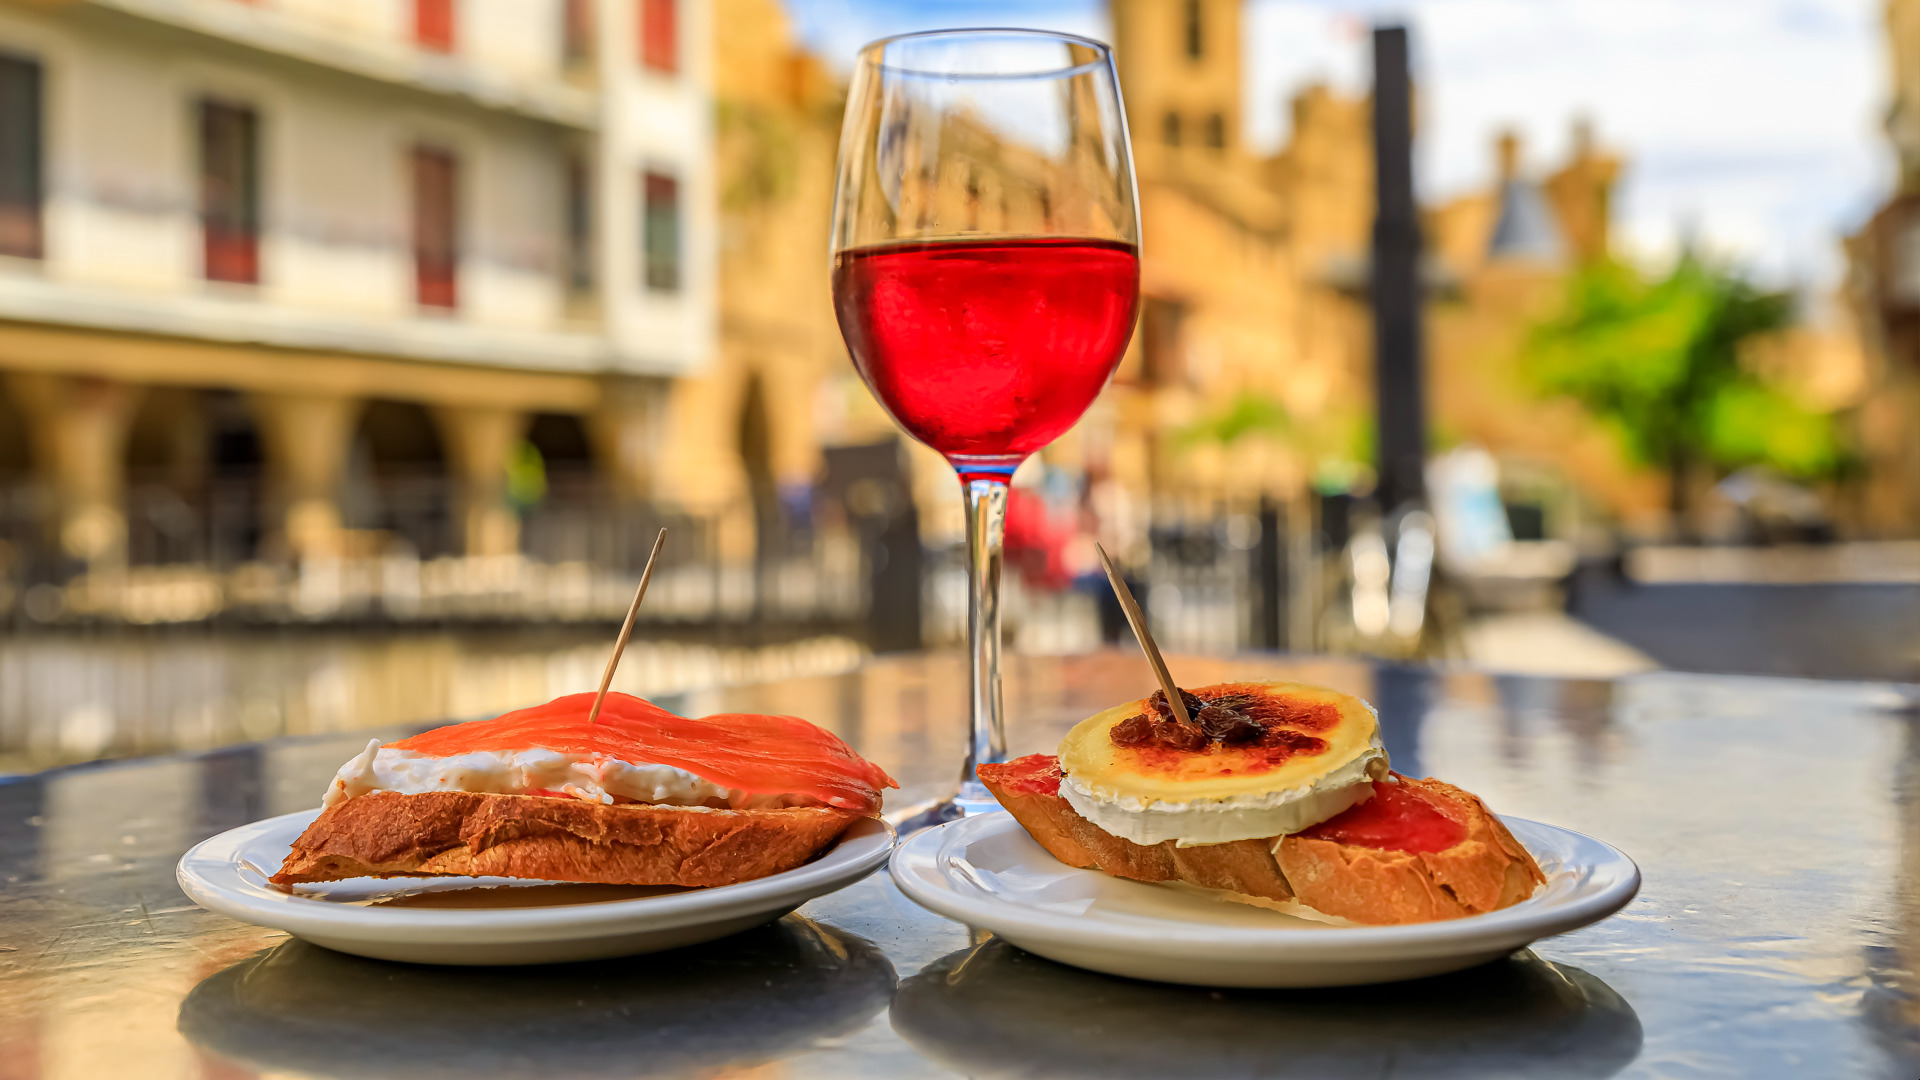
x,y
593,777
1236,817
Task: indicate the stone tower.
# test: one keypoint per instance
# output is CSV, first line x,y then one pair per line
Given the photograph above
x,y
1179,61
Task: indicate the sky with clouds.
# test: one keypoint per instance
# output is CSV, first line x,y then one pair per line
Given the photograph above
x,y
1752,124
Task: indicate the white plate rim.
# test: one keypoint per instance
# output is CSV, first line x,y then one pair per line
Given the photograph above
x,y
209,874
1531,919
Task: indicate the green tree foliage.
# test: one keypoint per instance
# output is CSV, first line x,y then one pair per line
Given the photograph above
x,y
760,155
1246,413
526,477
1660,361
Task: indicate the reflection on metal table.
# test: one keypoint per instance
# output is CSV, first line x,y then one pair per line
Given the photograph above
x,y
1776,823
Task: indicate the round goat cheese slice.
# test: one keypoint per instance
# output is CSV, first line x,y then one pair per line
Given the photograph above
x,y
1319,755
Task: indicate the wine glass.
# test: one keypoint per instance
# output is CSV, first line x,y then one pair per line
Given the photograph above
x,y
986,274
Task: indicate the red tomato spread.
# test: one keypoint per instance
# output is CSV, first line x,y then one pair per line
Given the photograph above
x,y
1399,817
1035,774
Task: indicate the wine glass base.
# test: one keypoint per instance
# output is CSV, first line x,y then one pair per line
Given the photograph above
x,y
971,800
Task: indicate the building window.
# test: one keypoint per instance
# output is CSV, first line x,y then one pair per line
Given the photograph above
x,y
1196,40
433,24
230,192
576,31
1163,360
1903,270
1170,129
20,190
1217,131
660,36
660,242
579,226
436,234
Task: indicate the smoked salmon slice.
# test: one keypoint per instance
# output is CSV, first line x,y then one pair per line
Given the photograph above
x,y
757,754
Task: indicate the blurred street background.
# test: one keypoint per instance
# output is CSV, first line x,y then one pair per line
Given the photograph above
x,y
352,352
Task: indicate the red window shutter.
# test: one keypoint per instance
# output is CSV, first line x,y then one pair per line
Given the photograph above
x,y
433,24
436,249
660,35
20,181
229,193
576,40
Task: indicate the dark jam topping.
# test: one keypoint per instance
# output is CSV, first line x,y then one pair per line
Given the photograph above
x,y
1252,728
1230,716
1227,725
1164,710
1219,720
1399,817
1035,774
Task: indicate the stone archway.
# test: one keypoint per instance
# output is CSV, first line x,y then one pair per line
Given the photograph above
x,y
16,457
564,444
397,479
20,526
194,463
571,519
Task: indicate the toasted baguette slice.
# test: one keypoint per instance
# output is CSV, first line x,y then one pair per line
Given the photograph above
x,y
1486,871
388,834
1241,866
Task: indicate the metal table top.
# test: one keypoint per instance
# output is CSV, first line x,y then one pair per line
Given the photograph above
x,y
1775,822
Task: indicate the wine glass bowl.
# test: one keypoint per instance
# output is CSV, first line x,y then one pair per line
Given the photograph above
x,y
987,350
961,133
986,272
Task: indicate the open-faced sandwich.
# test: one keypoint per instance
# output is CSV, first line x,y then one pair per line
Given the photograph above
x,y
1272,793
637,797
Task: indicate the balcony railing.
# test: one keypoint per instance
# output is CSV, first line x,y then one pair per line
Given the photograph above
x,y
1215,579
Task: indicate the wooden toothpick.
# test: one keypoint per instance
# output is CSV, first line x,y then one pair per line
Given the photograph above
x,y
1138,620
626,628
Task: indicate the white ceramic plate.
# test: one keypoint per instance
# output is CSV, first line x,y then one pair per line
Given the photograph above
x,y
988,873
520,923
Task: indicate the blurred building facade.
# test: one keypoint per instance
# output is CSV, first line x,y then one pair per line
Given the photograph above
x,y
330,250
1241,259
333,272
1255,275
746,427
1508,252
1883,288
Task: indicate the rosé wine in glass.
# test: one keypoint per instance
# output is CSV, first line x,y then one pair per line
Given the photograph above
x,y
988,348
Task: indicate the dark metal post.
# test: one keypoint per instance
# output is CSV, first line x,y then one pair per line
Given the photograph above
x,y
1399,378
1270,578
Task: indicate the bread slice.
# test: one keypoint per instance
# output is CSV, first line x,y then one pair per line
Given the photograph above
x,y
1241,866
388,834
1486,871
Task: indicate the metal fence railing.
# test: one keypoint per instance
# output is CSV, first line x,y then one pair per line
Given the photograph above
x,y
207,557
1214,576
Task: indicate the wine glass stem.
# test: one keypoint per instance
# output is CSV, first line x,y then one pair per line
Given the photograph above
x,y
986,528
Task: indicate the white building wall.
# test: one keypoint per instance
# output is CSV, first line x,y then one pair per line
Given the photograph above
x,y
121,150
515,221
665,123
336,262
116,167
384,21
517,37
524,37
336,210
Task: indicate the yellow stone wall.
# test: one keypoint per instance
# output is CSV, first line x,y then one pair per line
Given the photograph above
x,y
1887,354
1252,274
1476,333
